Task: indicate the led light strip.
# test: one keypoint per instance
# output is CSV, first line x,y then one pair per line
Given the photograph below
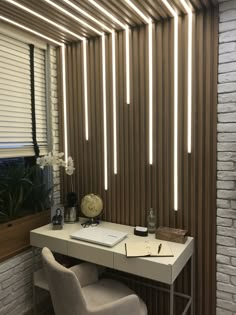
x,y
150,75
175,103
64,102
73,16
99,7
44,18
30,30
87,15
85,89
104,110
124,26
176,115
150,66
190,38
114,100
127,58
140,13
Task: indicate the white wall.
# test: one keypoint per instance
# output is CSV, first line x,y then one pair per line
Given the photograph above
x,y
54,120
226,161
16,284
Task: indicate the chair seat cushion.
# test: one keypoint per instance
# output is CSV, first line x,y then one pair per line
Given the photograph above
x,y
106,291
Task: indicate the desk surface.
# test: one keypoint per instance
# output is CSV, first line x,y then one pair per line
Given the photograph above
x,y
163,269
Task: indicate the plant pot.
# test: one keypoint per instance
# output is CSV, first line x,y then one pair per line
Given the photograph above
x,y
15,236
71,214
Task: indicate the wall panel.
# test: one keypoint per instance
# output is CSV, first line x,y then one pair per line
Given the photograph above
x,y
137,185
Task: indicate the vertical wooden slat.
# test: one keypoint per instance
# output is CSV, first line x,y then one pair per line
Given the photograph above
x,y
148,167
109,125
207,151
79,112
126,160
182,121
192,159
118,98
69,79
88,144
137,150
154,180
167,91
84,148
215,25
75,119
98,111
159,121
112,146
121,104
132,159
141,103
92,115
199,139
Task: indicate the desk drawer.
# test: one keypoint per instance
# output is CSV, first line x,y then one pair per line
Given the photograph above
x,y
97,255
53,243
143,267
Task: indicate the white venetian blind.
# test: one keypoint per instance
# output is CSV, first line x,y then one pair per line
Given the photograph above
x,y
15,98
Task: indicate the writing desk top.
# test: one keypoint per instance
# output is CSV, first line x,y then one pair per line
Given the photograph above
x,y
164,269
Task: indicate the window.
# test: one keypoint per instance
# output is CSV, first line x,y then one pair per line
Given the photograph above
x,y
16,100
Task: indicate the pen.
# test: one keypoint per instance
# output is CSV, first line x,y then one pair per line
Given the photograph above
x,y
159,248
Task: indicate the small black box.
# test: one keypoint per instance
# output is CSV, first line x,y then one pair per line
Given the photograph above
x,y
141,231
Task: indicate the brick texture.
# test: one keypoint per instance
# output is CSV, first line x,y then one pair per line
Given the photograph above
x,y
226,161
54,121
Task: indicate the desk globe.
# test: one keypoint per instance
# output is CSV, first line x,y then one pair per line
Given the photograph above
x,y
91,207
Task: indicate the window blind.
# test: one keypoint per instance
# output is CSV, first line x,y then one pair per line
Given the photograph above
x,y
15,99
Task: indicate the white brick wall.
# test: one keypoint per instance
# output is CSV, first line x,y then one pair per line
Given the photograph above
x,y
54,121
226,161
16,284
16,273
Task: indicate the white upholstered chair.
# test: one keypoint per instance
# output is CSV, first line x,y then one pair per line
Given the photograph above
x,y
78,291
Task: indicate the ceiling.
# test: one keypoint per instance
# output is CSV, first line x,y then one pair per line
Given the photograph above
x,y
75,24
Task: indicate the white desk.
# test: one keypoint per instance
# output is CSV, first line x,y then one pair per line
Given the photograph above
x,y
162,269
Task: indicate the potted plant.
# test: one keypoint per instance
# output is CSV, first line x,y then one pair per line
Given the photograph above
x,y
24,196
22,191
55,160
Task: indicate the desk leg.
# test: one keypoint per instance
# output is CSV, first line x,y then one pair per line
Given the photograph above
x,y
34,289
172,299
192,284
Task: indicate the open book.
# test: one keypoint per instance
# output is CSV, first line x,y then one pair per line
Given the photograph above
x,y
147,248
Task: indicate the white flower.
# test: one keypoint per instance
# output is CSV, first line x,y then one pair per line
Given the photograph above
x,y
70,166
55,160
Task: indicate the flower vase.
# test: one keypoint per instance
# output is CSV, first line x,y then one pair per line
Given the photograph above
x,y
71,208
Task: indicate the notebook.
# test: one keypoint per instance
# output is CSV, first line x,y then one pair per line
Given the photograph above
x,y
148,248
99,235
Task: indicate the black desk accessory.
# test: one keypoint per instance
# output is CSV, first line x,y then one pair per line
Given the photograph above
x,y
141,231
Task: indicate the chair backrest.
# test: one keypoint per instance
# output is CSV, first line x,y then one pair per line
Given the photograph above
x,y
65,289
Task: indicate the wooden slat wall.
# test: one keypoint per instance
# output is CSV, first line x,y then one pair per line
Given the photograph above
x,y
155,9
139,186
